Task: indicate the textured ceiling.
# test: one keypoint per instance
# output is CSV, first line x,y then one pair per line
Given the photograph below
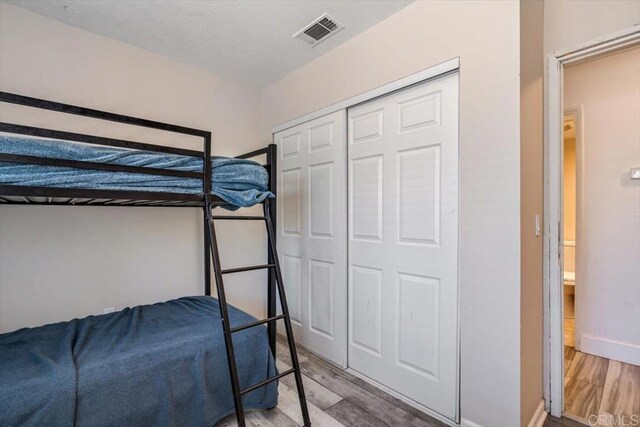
x,y
248,41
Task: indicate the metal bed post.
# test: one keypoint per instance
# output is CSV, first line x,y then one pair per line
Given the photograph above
x,y
272,162
205,214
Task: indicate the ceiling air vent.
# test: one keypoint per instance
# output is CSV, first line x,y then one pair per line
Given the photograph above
x,y
319,30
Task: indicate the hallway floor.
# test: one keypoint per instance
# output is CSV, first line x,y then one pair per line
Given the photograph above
x,y
596,388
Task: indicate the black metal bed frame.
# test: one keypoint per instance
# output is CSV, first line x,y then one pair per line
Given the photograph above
x,y
23,195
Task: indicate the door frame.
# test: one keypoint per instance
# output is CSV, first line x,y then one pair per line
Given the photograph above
x,y
431,73
553,286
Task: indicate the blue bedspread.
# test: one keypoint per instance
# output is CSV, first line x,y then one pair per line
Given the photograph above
x,y
239,182
154,365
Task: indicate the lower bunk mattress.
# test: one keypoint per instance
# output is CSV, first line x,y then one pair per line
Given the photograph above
x,y
239,182
162,364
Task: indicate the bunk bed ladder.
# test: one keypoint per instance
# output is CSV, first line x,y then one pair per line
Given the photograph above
x,y
273,265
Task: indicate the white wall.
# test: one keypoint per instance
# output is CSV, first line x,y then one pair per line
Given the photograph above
x,y
485,35
114,256
571,22
608,247
531,155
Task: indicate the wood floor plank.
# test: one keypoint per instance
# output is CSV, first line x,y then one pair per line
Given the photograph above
x,y
621,395
561,422
264,418
581,398
282,353
369,402
316,393
599,390
569,354
351,415
273,417
289,404
335,398
358,383
590,368
395,401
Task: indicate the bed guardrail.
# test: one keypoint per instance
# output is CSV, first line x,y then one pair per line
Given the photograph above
x,y
92,197
77,193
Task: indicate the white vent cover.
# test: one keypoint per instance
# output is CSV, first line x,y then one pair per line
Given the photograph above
x,y
319,30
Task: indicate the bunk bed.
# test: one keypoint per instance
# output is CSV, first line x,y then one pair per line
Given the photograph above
x,y
189,361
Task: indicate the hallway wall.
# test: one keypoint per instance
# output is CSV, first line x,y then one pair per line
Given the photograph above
x,y
531,191
608,252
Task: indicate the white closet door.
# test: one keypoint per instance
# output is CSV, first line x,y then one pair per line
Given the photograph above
x,y
312,232
403,242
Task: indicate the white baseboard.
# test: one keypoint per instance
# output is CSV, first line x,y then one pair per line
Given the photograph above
x,y
466,423
539,416
616,350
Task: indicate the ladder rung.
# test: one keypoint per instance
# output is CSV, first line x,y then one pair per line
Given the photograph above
x,y
267,381
239,218
241,269
256,323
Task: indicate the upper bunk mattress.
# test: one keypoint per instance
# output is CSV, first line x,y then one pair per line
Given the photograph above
x,y
162,364
239,182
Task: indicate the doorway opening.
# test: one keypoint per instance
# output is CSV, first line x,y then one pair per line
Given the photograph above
x,y
593,264
569,136
601,244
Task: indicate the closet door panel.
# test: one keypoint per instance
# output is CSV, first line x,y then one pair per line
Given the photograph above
x,y
292,200
321,287
321,200
292,275
312,231
366,199
403,242
418,196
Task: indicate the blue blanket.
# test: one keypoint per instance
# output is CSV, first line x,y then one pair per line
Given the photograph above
x,y
163,364
239,182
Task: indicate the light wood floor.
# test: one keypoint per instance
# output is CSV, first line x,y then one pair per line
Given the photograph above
x,y
561,422
593,386
569,317
598,387
334,397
